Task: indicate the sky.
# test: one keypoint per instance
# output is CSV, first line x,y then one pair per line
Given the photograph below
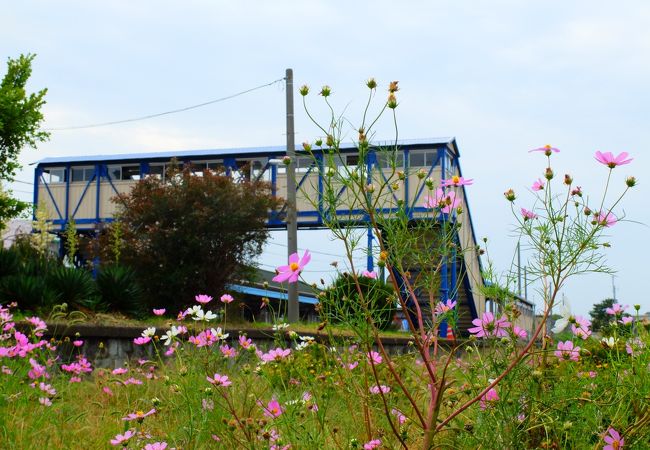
x,y
503,77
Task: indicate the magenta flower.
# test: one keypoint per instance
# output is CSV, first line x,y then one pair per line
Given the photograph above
x,y
489,399
547,150
626,320
401,418
616,309
371,445
379,389
219,380
78,343
605,220
245,342
120,371
538,185
368,274
159,312
374,357
457,181
291,272
203,298
490,326
528,215
566,351
443,307
228,351
612,161
519,333
272,409
613,440
445,201
226,298
122,438
141,340
275,355
156,446
45,401
139,415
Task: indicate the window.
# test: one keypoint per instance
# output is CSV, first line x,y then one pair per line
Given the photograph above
x,y
303,164
115,172
130,172
423,158
157,171
386,160
54,175
82,174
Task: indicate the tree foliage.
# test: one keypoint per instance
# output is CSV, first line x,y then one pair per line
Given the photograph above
x,y
599,317
188,235
20,121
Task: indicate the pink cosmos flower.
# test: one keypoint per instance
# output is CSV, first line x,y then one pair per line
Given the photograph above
x,y
377,389
203,298
528,215
45,401
245,342
275,355
219,380
443,307
605,220
369,274
371,445
156,446
107,391
613,440
538,185
446,202
272,409
227,351
141,340
489,326
352,366
133,381
547,150
291,272
47,388
75,380
374,357
616,310
457,181
581,330
226,298
401,418
159,312
612,161
78,343
627,320
566,351
120,371
121,438
139,415
489,399
519,332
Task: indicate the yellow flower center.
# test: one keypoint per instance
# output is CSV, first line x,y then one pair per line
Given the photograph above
x,y
294,266
455,179
547,146
139,413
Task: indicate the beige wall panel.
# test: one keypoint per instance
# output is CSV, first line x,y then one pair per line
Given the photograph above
x,y
85,209
58,192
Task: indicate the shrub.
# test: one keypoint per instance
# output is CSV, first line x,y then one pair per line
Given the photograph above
x,y
341,302
29,291
120,291
76,287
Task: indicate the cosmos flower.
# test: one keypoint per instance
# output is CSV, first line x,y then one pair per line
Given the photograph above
x,y
457,181
490,326
291,272
612,161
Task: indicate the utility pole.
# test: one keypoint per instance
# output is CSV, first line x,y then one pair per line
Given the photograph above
x,y
292,216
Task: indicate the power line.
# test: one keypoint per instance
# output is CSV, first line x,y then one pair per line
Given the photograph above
x,y
174,111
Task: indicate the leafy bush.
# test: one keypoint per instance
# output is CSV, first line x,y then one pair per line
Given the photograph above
x,y
119,290
9,262
341,302
29,291
76,287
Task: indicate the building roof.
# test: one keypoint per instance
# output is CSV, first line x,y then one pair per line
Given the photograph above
x,y
224,152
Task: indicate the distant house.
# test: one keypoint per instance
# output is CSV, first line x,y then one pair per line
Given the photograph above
x,y
263,298
15,228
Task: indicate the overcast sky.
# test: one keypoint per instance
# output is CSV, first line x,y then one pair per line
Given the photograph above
x,y
501,76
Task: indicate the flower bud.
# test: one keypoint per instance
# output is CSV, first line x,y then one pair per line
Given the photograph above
x,y
630,181
392,87
587,211
421,174
401,175
549,173
330,172
637,306
510,195
318,142
370,188
371,83
429,182
286,160
330,140
395,186
307,146
392,101
577,191
326,91
304,90
568,180
362,135
383,255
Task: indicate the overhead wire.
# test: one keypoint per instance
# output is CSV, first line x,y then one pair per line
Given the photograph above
x,y
173,111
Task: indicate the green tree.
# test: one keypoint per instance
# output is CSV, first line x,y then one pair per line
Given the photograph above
x,y
188,235
599,317
20,121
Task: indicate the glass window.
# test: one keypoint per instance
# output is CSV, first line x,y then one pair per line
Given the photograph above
x,y
115,172
216,166
386,160
54,175
82,174
130,172
416,159
157,170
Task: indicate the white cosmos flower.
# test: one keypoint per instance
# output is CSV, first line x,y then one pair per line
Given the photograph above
x,y
219,334
149,332
565,320
207,316
609,342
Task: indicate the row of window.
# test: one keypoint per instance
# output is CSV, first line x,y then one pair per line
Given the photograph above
x,y
254,168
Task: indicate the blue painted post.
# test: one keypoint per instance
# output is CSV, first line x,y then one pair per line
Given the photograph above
x,y
37,179
274,180
370,262
98,176
321,187
68,174
407,199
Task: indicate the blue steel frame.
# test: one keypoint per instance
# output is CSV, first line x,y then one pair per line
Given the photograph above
x,y
306,219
